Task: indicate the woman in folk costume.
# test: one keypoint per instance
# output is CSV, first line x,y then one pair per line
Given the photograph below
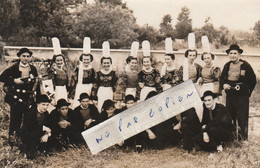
x,y
169,74
84,75
129,78
190,69
59,71
210,74
106,79
148,78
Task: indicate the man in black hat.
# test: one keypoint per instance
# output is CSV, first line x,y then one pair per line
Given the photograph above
x,y
19,85
36,132
63,124
216,124
238,80
86,113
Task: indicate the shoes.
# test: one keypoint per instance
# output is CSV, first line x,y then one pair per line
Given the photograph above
x,y
30,155
138,148
219,148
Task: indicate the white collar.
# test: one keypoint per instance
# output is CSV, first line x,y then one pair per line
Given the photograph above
x,y
84,107
106,72
24,65
41,112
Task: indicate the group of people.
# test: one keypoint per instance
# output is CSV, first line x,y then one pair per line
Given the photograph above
x,y
94,100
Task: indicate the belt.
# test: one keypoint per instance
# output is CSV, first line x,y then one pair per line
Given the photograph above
x,y
235,85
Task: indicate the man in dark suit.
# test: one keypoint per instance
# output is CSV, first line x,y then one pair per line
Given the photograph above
x,y
36,132
86,114
238,80
19,85
216,124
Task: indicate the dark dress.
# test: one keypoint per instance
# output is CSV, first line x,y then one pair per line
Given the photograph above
x,y
172,78
149,79
104,87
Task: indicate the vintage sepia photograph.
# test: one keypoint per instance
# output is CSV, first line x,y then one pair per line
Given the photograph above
x,y
129,83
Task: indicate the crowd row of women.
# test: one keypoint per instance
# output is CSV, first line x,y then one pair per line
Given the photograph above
x,y
105,83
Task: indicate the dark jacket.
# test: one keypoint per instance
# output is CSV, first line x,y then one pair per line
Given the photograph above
x,y
55,119
80,124
103,116
221,118
8,76
31,127
247,78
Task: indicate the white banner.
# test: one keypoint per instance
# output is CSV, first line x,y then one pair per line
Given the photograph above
x,y
142,116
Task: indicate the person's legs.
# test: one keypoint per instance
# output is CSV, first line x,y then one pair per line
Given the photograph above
x,y
188,132
198,139
242,117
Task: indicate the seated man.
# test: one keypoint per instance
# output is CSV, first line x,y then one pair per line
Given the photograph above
x,y
108,110
63,123
86,114
36,132
216,124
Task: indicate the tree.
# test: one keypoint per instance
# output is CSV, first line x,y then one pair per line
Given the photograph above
x,y
102,22
112,2
225,37
33,13
257,30
149,33
166,27
184,24
209,30
9,18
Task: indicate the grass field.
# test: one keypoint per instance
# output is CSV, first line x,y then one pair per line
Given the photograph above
x,y
236,155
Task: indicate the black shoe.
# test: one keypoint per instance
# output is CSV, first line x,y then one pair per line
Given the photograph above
x,y
30,155
138,148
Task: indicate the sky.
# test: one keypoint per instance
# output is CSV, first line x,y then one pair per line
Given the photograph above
x,y
234,14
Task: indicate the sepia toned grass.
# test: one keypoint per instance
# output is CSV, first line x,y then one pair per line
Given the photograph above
x,y
235,155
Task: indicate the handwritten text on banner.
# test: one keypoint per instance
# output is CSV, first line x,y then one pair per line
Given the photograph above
x,y
142,116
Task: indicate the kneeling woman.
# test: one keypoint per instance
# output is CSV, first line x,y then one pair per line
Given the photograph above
x,y
148,79
105,82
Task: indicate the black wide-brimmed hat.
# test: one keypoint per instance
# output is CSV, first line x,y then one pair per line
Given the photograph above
x,y
83,96
23,50
209,93
62,102
43,99
234,47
